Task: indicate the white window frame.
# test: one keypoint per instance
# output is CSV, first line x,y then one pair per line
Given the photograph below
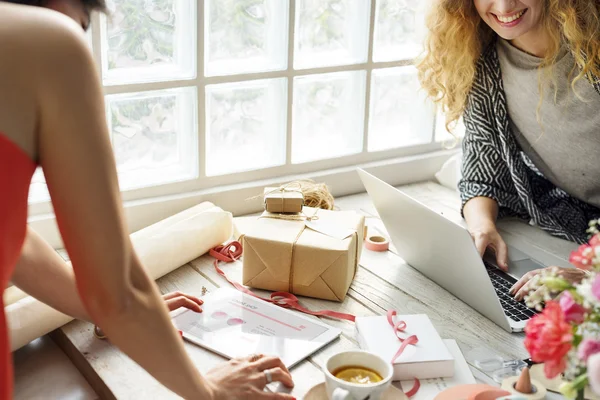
x,y
147,205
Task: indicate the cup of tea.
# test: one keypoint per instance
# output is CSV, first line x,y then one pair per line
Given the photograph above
x,y
357,375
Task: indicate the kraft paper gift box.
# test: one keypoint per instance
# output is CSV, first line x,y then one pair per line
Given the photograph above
x,y
283,199
429,358
315,258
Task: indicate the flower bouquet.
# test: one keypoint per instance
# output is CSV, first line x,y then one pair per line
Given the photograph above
x,y
565,336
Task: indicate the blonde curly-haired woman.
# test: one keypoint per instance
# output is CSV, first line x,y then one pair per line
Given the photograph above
x,y
524,76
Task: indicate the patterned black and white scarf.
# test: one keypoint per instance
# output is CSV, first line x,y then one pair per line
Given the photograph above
x,y
495,166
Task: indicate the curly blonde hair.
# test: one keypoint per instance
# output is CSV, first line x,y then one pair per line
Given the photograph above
x,y
457,37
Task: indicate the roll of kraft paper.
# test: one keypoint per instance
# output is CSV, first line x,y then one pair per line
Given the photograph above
x,y
161,247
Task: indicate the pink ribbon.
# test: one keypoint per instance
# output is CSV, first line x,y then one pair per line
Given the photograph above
x,y
233,251
398,327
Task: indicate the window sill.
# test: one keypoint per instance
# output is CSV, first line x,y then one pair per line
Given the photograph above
x,y
341,181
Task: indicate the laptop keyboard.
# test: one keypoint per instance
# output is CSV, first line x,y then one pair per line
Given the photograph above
x,y
502,283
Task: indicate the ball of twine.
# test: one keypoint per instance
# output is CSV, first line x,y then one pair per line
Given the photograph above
x,y
316,195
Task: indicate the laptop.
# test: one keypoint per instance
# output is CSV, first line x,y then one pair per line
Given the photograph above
x,y
444,252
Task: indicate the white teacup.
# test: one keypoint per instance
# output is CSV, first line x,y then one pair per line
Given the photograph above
x,y
338,389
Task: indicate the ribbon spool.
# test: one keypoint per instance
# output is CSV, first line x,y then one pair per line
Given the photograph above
x,y
539,391
377,243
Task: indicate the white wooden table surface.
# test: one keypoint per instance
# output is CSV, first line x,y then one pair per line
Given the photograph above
x,y
383,281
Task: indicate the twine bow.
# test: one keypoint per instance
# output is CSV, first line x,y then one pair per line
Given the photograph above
x,y
288,187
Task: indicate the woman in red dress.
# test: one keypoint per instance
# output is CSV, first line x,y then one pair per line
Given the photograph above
x,y
52,115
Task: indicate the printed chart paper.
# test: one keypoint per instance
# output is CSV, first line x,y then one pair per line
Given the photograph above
x,y
234,324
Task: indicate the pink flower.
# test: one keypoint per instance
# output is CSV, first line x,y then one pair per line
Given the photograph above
x,y
593,371
588,347
595,240
574,313
596,287
582,257
548,339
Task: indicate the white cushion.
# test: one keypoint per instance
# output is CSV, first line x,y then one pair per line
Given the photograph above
x,y
450,173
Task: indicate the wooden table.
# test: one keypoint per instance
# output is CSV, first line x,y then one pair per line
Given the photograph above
x,y
383,281
42,371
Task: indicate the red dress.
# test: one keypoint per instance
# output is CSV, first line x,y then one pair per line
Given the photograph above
x,y
16,170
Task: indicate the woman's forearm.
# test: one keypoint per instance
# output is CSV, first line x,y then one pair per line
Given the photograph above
x,y
39,263
480,211
145,332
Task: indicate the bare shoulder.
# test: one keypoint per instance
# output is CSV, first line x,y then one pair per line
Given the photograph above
x,y
39,35
45,64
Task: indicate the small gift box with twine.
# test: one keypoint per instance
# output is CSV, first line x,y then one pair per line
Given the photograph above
x,y
314,253
284,199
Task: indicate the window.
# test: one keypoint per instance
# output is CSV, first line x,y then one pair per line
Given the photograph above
x,y
201,94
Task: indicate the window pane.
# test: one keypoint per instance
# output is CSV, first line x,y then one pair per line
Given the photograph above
x,y
399,29
328,115
88,37
154,136
441,133
400,115
331,32
245,36
149,40
245,126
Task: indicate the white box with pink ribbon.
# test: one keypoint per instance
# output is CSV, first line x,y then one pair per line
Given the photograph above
x,y
423,358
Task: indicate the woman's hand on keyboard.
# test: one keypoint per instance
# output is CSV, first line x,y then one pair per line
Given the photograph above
x,y
480,214
522,287
486,236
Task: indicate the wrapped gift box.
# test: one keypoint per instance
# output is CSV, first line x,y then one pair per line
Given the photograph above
x,y
429,358
283,200
317,257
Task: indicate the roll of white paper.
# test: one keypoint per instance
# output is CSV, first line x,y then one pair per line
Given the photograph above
x,y
12,295
161,247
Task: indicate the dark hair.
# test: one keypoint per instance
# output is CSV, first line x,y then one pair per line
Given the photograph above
x,y
98,5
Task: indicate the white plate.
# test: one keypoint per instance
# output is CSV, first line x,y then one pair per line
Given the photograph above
x,y
318,393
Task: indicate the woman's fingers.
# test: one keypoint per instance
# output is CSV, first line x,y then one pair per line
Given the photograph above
x,y
501,253
277,368
252,358
492,240
538,292
182,301
526,287
481,243
175,300
520,295
173,295
271,362
279,375
522,282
